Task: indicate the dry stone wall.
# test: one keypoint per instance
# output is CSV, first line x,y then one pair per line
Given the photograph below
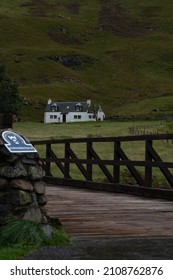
x,y
22,190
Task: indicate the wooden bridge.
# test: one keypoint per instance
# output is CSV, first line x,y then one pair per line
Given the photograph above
x,y
97,214
109,207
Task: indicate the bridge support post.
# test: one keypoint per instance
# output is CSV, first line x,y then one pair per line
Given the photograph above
x,y
89,165
116,167
148,167
48,148
67,164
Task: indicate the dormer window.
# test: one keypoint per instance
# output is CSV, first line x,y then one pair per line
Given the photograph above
x,y
53,107
78,107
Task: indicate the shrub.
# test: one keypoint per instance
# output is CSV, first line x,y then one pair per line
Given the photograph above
x,y
21,232
24,232
10,100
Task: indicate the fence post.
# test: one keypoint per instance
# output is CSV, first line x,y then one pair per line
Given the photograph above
x,y
48,164
89,165
148,167
67,164
116,167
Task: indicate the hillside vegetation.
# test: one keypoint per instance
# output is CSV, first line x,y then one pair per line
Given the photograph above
x,y
117,53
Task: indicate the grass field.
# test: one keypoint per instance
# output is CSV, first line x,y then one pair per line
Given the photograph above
x,y
135,150
126,47
38,131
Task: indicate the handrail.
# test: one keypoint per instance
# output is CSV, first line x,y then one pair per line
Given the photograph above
x,y
105,139
85,165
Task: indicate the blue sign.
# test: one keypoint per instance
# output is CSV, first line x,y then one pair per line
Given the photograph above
x,y
17,144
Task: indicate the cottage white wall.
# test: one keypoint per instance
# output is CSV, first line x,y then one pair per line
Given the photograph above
x,y
49,119
70,117
84,117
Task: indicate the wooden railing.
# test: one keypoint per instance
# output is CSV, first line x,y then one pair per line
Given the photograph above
x,y
119,159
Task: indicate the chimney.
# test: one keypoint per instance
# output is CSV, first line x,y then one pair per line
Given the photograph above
x,y
89,102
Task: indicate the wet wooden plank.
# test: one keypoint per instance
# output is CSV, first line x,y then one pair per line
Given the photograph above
x,y
90,213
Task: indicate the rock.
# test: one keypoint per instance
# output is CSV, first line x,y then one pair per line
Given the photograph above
x,y
15,198
21,184
3,184
33,156
19,211
34,199
33,214
44,220
47,229
74,60
43,210
42,200
25,198
39,187
69,61
10,171
28,161
10,197
35,173
6,156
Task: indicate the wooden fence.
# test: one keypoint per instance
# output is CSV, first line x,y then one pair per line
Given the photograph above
x,y
85,165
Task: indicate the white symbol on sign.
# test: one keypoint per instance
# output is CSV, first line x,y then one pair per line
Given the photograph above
x,y
14,139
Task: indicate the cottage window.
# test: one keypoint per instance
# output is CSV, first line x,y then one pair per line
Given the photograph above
x,y
78,107
54,108
53,117
77,117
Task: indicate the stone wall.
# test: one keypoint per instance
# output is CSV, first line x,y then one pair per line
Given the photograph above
x,y
22,191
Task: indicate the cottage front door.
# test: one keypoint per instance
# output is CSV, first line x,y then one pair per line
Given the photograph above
x,y
64,118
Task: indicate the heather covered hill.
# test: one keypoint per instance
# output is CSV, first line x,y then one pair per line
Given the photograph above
x,y
117,53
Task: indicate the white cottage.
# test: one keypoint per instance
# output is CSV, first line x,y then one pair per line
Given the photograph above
x,y
59,112
100,114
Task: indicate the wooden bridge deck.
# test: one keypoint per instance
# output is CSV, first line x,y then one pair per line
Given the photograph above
x,y
90,213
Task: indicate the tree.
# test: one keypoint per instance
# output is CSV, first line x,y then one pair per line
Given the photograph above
x,y
10,100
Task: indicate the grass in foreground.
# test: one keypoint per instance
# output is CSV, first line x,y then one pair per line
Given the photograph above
x,y
20,237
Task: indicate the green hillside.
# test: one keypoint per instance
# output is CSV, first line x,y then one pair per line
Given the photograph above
x,y
117,53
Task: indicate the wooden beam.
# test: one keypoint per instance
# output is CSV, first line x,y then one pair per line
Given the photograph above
x,y
130,167
101,165
78,163
163,169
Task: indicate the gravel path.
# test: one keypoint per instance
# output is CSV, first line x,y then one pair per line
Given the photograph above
x,y
109,249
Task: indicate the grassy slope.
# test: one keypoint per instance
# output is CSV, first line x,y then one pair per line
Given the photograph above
x,y
131,47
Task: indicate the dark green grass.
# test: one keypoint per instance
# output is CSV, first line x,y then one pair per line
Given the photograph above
x,y
125,70
18,237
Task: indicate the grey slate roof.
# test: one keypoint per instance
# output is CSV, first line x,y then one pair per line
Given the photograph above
x,y
66,107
